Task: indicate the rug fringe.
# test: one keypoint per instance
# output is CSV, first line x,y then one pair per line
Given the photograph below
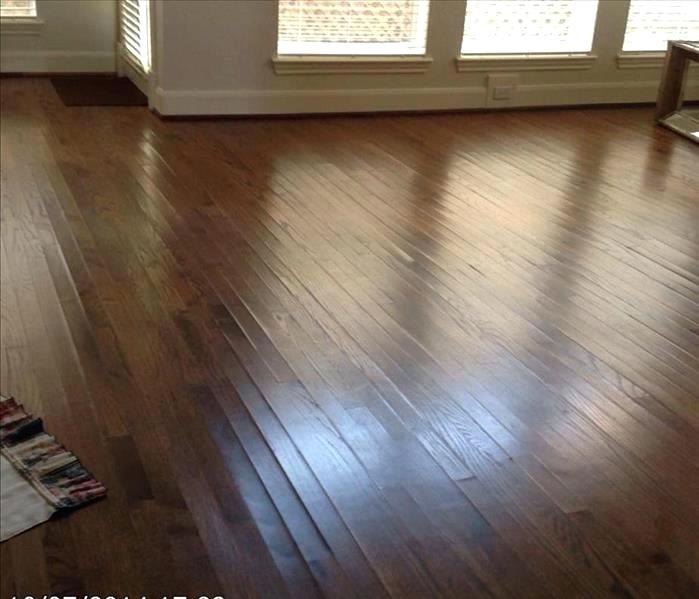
x,y
53,470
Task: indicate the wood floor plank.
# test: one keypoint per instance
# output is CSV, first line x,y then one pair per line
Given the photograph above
x,y
413,356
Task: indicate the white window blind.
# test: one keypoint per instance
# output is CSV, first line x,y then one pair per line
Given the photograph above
x,y
135,31
651,23
528,26
17,8
336,27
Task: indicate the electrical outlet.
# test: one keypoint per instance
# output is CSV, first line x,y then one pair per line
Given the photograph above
x,y
501,88
503,92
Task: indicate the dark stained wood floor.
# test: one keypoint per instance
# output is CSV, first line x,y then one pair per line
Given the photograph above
x,y
406,356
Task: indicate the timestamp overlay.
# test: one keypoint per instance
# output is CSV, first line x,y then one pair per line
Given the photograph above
x,y
136,596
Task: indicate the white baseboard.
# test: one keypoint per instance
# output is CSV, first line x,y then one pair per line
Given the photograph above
x,y
562,94
241,102
314,101
53,61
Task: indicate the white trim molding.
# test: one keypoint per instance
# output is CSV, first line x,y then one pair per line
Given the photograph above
x,y
643,60
524,62
288,64
299,101
561,94
51,61
21,26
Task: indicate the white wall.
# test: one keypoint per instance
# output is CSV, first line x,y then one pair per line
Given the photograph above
x,y
215,58
76,36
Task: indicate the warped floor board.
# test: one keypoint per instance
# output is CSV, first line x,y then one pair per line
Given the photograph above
x,y
406,356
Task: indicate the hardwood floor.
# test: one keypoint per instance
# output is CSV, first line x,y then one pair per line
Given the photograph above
x,y
407,356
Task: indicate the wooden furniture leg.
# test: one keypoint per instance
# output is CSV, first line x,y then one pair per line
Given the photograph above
x,y
671,83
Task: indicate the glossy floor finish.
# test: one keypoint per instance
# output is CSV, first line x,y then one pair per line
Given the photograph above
x,y
407,356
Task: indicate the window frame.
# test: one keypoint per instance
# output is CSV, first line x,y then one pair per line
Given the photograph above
x,y
589,9
641,59
22,25
470,63
310,63
644,59
635,55
288,64
526,61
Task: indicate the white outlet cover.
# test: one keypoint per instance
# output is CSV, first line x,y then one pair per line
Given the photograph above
x,y
503,92
501,87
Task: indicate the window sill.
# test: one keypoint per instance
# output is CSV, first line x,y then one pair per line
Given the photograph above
x,y
524,62
21,26
643,60
329,65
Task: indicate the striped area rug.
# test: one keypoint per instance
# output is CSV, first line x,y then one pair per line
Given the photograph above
x,y
39,477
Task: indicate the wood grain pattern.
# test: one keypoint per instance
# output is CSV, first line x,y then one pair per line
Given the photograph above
x,y
407,356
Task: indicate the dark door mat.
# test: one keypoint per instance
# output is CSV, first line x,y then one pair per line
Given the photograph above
x,y
98,91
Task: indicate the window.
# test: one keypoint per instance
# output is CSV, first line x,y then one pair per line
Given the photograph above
x,y
134,22
651,23
17,8
528,26
340,27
